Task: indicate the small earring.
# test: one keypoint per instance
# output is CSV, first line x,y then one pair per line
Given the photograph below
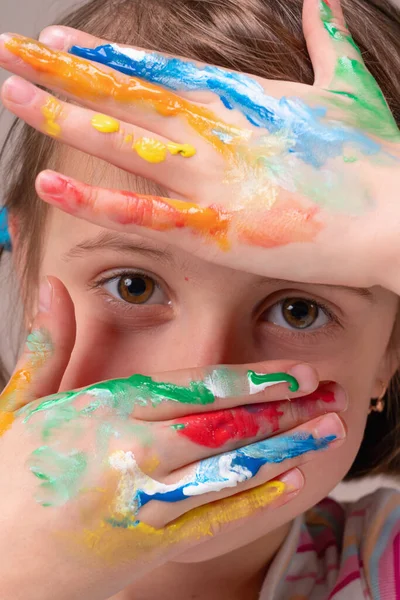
x,y
378,405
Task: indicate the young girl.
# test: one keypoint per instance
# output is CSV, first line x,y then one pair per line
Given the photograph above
x,y
208,482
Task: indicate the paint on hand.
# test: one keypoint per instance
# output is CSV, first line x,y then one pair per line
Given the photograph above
x,y
366,106
111,405
155,151
52,111
60,474
151,150
213,474
85,80
105,124
38,350
120,538
121,395
152,212
309,134
215,429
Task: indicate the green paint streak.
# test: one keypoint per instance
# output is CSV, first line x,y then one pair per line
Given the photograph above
x,y
60,473
121,395
178,426
325,12
328,20
339,36
350,159
40,346
259,379
367,105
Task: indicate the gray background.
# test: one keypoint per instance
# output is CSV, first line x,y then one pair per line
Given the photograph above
x,y
28,17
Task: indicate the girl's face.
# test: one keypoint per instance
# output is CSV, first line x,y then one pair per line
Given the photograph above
x,y
146,307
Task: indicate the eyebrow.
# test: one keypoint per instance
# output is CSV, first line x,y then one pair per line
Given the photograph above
x,y
113,241
360,292
116,243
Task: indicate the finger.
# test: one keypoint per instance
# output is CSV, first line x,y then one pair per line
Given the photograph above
x,y
46,354
195,437
157,503
172,395
328,39
127,147
339,67
109,91
161,218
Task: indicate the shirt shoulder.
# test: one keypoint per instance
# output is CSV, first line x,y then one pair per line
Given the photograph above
x,y
373,526
342,552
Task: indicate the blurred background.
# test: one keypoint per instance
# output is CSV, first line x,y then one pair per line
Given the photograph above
x,y
28,17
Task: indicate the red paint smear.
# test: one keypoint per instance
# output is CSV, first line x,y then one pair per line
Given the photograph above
x,y
323,393
285,223
214,429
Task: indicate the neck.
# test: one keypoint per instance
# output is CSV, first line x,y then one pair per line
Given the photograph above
x,y
235,576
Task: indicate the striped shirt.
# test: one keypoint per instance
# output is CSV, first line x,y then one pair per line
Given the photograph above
x,y
340,552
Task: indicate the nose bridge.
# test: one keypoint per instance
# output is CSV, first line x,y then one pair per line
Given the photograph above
x,y
218,337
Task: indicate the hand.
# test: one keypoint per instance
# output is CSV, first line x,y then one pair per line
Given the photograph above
x,y
294,175
110,481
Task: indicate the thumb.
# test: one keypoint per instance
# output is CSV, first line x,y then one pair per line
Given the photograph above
x,y
328,39
46,354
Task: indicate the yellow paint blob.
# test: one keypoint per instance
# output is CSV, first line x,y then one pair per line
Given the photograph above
x,y
116,544
105,124
51,112
150,465
151,150
128,138
185,150
155,151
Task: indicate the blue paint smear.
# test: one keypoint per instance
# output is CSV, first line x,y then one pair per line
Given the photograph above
x,y
313,139
252,458
5,238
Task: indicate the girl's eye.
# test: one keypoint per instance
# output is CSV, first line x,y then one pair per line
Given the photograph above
x,y
135,288
297,313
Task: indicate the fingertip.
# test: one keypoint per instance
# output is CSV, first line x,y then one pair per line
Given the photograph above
x,y
306,377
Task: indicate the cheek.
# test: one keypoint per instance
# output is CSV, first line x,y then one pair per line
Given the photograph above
x,y
103,351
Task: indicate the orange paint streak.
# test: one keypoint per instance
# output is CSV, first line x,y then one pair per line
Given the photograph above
x,y
128,208
163,214
6,420
87,80
19,382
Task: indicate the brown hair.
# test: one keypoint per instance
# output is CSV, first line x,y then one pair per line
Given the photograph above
x,y
260,37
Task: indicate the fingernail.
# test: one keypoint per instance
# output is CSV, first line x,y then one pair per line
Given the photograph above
x,y
18,91
305,376
45,296
330,425
294,480
54,37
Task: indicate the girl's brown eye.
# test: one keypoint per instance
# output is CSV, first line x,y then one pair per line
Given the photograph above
x,y
296,314
136,289
299,313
